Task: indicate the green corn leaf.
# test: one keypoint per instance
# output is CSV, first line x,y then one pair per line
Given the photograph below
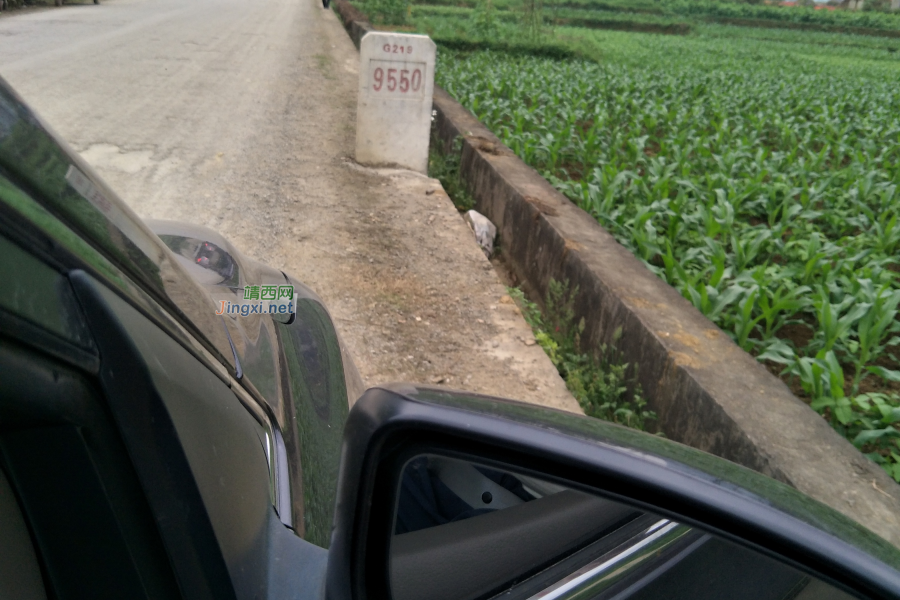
x,y
778,351
886,374
820,404
891,416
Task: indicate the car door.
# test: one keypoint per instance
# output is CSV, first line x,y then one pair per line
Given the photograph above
x,y
133,463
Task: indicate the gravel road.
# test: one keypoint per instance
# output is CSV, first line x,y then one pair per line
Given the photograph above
x,y
241,116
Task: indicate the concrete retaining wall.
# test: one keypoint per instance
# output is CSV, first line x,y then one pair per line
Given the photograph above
x,y
353,20
708,392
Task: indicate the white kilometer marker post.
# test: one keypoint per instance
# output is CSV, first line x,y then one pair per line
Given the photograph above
x,y
393,117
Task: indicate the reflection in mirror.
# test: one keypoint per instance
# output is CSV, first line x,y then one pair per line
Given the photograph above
x,y
438,490
466,531
207,262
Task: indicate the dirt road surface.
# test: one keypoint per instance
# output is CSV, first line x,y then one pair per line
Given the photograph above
x,y
241,116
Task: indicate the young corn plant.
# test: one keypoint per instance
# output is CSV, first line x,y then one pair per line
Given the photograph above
x,y
874,331
875,430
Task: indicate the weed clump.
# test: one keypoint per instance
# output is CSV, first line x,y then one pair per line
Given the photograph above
x,y
444,166
600,382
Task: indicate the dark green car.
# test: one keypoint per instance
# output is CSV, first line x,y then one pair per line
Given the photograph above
x,y
175,423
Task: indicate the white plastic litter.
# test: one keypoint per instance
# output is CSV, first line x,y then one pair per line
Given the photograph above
x,y
485,232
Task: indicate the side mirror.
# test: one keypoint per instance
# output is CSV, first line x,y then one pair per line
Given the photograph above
x,y
450,496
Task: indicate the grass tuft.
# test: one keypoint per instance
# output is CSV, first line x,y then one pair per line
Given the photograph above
x,y
444,166
600,382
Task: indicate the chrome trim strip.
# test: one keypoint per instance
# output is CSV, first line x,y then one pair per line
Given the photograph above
x,y
283,504
276,453
614,563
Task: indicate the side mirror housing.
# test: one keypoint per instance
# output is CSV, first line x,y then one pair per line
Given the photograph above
x,y
610,476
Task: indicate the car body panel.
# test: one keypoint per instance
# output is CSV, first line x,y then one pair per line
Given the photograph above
x,y
145,429
224,273
222,443
301,367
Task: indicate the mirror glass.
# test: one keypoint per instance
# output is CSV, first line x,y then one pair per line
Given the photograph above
x,y
467,531
207,262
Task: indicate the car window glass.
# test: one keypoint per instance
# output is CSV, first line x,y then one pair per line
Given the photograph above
x,y
465,531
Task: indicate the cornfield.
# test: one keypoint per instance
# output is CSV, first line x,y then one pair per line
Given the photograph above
x,y
762,184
